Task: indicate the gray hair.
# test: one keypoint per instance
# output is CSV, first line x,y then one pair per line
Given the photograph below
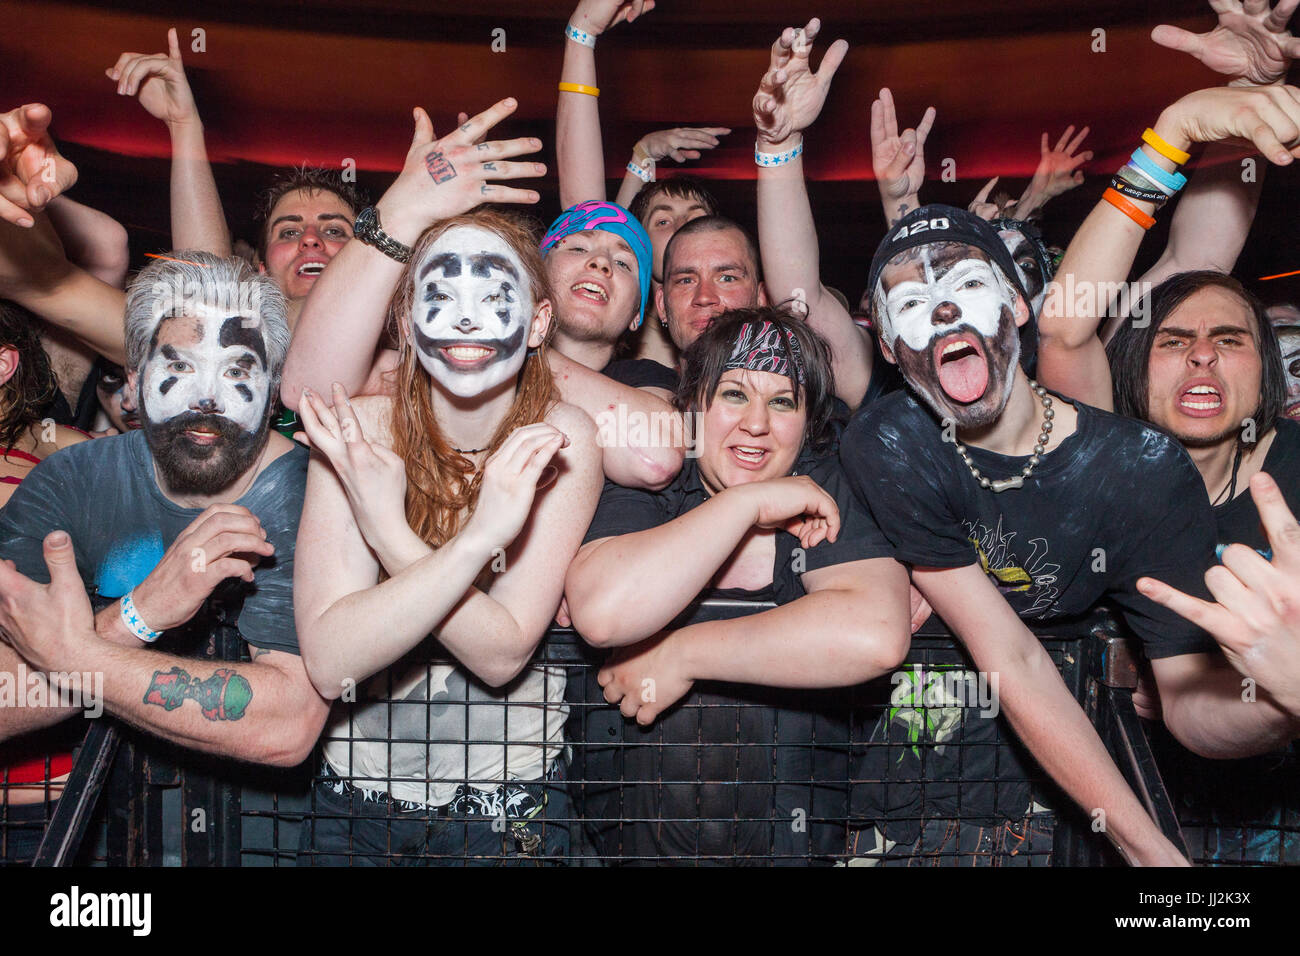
x,y
173,285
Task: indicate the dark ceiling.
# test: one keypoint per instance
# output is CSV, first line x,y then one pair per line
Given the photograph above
x,y
286,82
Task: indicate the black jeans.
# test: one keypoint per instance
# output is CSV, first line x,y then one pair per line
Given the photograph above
x,y
349,829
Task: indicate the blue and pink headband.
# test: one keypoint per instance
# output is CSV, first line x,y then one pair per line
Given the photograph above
x,y
610,217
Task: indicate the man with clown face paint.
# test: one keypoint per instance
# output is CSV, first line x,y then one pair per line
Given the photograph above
x,y
188,519
988,486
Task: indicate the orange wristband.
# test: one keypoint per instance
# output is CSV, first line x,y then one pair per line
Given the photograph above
x,y
1122,203
580,88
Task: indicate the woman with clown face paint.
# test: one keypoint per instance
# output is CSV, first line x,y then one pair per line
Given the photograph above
x,y
451,509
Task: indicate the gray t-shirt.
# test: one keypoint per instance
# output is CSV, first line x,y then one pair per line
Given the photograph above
x,y
104,494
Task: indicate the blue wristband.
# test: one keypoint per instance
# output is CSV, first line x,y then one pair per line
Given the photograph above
x,y
768,160
134,623
579,36
1170,182
643,173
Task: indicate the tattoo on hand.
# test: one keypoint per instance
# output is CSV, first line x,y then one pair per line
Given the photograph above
x,y
490,167
482,146
483,190
223,696
439,168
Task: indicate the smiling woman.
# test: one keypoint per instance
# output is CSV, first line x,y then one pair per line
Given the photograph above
x,y
447,510
763,514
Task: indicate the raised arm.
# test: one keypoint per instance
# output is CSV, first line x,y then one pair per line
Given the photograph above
x,y
1041,710
341,323
198,221
35,273
92,240
851,626
679,143
676,560
898,160
789,99
264,711
579,150
1071,355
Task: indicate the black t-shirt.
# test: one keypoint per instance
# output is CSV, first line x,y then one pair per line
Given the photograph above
x,y
1237,521
641,373
104,494
726,771
1114,502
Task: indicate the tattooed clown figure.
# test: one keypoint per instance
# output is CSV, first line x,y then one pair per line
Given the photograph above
x,y
949,312
207,343
473,318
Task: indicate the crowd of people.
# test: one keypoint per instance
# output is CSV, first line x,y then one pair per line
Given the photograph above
x,y
485,450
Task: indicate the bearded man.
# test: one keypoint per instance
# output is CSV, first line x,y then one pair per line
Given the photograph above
x,y
188,521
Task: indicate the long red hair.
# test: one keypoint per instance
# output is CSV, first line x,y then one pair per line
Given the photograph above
x,y
441,484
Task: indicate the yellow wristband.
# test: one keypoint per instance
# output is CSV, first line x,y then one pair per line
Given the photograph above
x,y
1171,153
579,88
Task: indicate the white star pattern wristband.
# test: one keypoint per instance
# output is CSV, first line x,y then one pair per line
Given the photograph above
x,y
134,623
641,172
777,159
579,36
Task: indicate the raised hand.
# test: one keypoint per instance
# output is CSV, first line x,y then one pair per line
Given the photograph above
x,y
1250,43
790,96
597,16
1257,618
1058,171
796,504
225,541
39,620
373,476
981,205
1268,117
898,160
159,81
511,477
681,142
447,176
32,171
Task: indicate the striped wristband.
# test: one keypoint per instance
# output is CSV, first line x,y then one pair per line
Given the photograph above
x,y
580,36
134,623
777,159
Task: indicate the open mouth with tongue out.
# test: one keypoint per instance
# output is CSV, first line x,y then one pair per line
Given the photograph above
x,y
961,366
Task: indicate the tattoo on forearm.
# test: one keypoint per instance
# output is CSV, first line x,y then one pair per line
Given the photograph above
x,y
223,696
902,211
438,166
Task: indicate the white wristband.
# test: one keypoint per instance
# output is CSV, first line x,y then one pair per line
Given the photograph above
x,y
643,173
579,36
134,623
777,159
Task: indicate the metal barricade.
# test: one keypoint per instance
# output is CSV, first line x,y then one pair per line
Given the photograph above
x,y
732,775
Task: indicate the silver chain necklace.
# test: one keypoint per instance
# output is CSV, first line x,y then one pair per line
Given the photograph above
x,y
1018,481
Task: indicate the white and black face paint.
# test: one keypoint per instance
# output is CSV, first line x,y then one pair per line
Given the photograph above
x,y
205,394
1028,269
472,311
214,364
951,326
